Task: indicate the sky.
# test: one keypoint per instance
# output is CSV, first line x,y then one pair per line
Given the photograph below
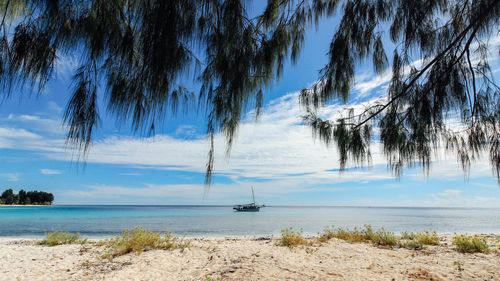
x,y
276,154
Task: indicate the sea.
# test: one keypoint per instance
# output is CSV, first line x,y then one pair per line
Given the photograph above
x,y
192,221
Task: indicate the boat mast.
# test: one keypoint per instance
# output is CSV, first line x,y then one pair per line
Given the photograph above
x,y
253,196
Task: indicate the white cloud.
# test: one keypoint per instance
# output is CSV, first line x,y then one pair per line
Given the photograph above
x,y
66,66
13,177
54,107
367,83
38,124
456,197
22,139
275,148
50,172
279,147
186,131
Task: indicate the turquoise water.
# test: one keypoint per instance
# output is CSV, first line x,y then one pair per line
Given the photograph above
x,y
105,221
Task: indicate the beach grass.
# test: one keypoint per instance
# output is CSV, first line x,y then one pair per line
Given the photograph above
x,y
290,238
412,244
56,238
138,240
417,241
379,237
384,238
471,244
428,237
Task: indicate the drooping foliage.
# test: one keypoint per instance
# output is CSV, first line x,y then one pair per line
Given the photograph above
x,y
139,55
442,92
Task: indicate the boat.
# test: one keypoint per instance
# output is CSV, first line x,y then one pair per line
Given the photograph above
x,y
252,207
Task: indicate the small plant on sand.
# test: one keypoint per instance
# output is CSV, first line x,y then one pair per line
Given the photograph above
x,y
384,238
459,265
427,237
59,238
412,244
355,235
471,244
87,264
417,241
139,239
326,235
350,235
407,235
290,238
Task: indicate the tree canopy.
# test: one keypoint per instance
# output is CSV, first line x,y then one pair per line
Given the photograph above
x,y
26,198
142,51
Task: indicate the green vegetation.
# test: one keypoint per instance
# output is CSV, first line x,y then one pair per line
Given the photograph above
x,y
458,265
408,235
412,244
428,238
87,264
26,198
60,238
379,237
290,238
419,240
137,56
382,238
347,235
471,244
139,240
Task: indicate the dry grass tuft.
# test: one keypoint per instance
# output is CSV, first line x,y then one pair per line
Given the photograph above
x,y
379,237
471,244
417,241
290,238
139,240
56,238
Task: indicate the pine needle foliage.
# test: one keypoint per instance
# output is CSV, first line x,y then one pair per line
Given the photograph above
x,y
451,80
136,56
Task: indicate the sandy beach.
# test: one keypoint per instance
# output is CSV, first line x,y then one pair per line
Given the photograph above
x,y
246,258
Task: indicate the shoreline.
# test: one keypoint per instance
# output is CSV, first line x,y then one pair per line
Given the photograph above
x,y
219,236
30,205
245,258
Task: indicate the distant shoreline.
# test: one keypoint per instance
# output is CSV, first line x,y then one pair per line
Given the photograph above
x,y
279,206
30,205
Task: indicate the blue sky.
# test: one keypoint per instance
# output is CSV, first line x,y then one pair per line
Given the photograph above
x,y
276,155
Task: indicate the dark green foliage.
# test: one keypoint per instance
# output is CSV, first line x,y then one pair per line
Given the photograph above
x,y
139,53
451,40
27,198
22,197
8,197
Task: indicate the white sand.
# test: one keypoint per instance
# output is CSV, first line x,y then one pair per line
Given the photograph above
x,y
245,259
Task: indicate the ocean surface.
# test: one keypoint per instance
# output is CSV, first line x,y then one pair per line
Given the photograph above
x,y
106,221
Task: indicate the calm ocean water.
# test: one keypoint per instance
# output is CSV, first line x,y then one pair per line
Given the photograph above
x,y
105,221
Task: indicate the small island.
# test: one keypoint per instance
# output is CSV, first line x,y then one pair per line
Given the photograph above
x,y
26,198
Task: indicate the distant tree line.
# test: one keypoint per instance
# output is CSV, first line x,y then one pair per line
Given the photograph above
x,y
26,198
